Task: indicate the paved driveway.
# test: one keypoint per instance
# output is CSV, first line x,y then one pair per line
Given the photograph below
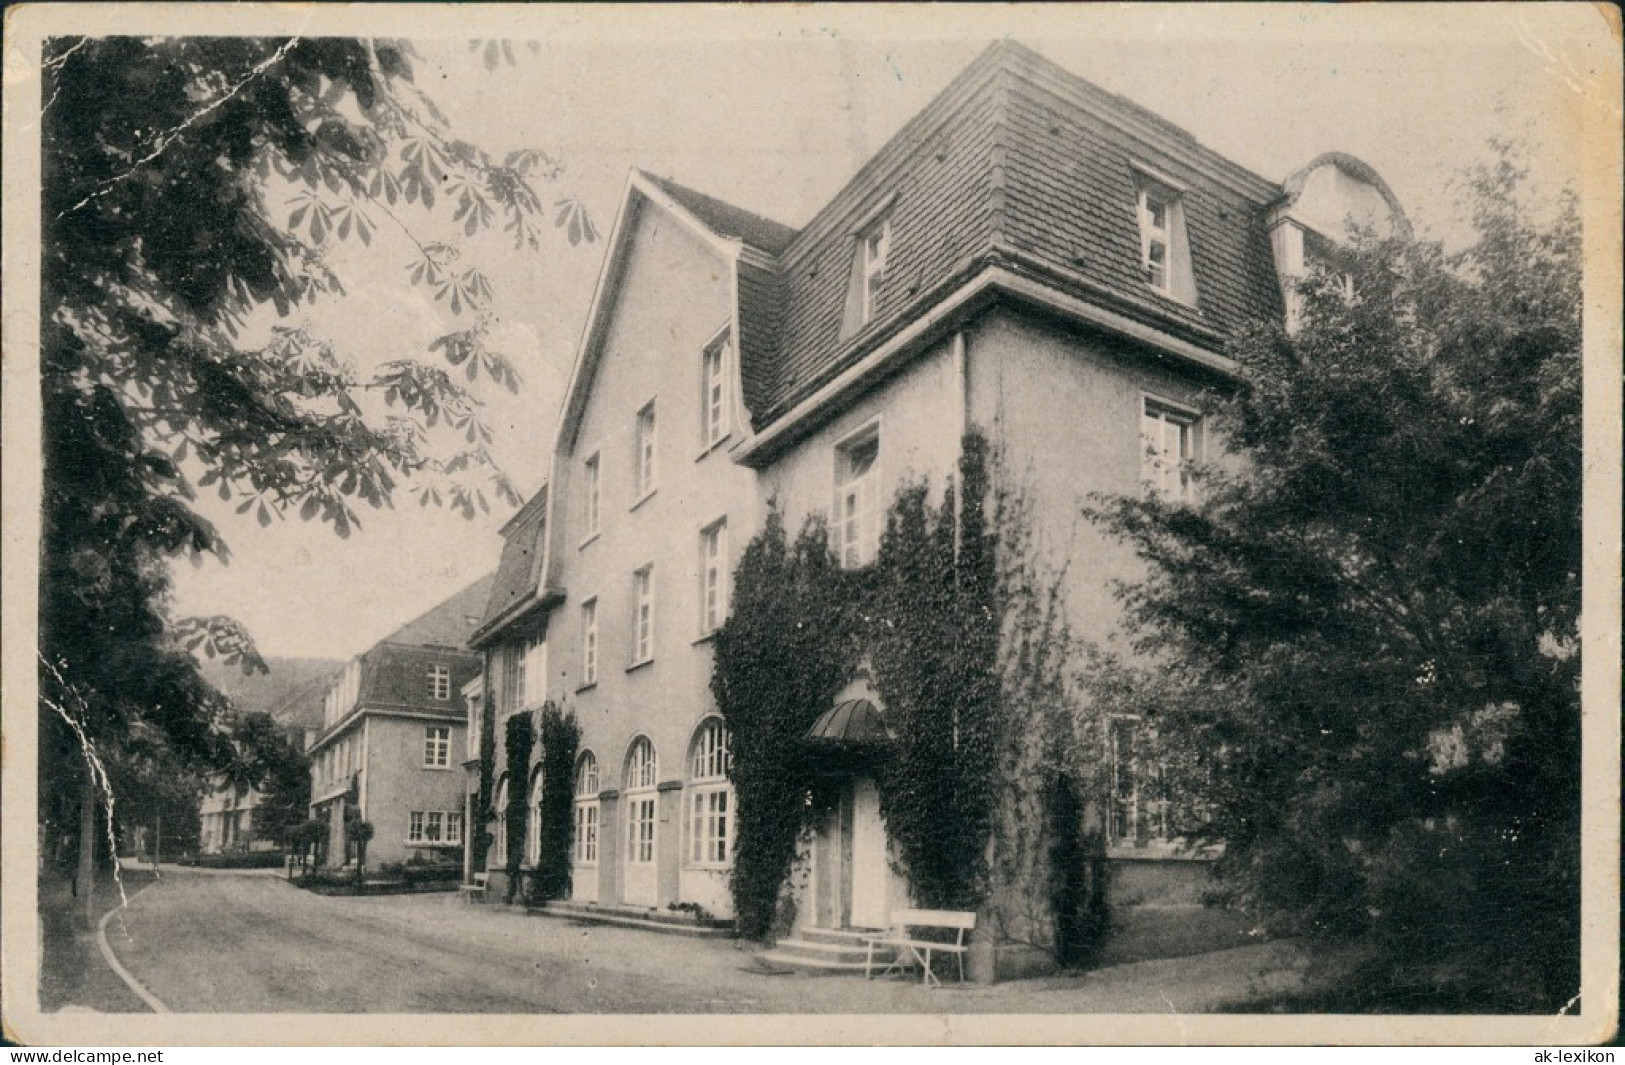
x,y
245,944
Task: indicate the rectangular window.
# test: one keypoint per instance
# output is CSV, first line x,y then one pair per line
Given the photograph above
x,y
589,642
857,498
586,838
439,683
454,826
874,245
713,393
591,492
643,474
1155,208
640,830
432,828
713,577
534,672
476,723
643,615
437,747
1140,809
708,825
414,827
1168,443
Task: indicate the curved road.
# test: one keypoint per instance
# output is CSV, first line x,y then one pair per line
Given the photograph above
x,y
247,944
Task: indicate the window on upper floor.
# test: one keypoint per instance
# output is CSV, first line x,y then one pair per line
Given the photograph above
x,y
1170,446
874,246
1164,249
643,471
439,683
857,498
436,747
591,495
476,723
871,255
713,576
643,615
533,672
714,392
589,642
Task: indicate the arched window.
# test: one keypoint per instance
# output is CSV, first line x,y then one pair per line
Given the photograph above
x,y
533,820
499,843
642,772
710,798
586,810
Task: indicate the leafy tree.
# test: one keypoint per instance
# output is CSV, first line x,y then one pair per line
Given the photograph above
x,y
269,759
191,188
1367,630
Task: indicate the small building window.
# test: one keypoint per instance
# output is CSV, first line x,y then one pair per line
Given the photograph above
x,y
1139,811
586,810
874,246
1164,249
591,493
439,683
713,393
710,798
1170,446
499,831
435,823
643,615
437,747
533,671
533,822
454,826
476,720
589,642
640,777
857,498
643,472
713,576
414,827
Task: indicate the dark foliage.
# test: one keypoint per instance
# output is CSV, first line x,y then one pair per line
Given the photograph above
x,y
787,647
1368,629
561,739
933,641
518,739
163,161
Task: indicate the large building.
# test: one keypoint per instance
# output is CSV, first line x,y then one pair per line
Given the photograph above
x,y
389,750
1030,256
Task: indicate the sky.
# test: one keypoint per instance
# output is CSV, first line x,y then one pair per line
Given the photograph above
x,y
774,109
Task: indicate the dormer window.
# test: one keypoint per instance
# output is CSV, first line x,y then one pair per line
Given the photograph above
x,y
1165,263
870,259
874,246
1155,207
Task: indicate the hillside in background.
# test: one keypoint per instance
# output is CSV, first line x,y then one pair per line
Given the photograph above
x,y
291,692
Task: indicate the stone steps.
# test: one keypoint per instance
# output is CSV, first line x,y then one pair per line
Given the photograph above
x,y
669,922
825,952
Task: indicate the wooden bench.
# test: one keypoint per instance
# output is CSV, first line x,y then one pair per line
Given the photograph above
x,y
470,892
915,951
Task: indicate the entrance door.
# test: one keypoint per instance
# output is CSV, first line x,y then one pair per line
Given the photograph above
x,y
851,880
640,886
870,877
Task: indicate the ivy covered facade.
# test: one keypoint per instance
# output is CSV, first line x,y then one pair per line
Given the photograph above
x,y
810,580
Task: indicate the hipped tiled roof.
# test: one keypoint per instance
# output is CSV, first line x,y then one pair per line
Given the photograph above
x,y
1017,162
449,624
519,572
